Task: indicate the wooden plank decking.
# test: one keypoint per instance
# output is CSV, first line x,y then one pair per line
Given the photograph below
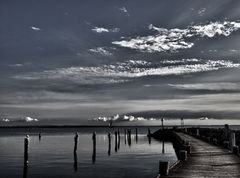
x,y
207,161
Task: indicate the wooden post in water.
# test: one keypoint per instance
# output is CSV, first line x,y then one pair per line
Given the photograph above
x,y
162,123
164,168
109,143
149,132
39,136
75,141
116,141
26,146
129,137
94,147
136,130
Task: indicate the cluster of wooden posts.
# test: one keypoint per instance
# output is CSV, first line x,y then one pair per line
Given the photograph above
x,y
127,136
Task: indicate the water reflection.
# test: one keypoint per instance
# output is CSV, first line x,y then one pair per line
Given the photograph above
x,y
109,143
75,165
149,140
25,170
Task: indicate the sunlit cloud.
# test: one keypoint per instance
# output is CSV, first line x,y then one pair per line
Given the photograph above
x,y
35,28
175,39
208,86
105,30
101,50
124,71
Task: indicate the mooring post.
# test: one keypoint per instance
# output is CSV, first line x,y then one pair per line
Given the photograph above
x,y
183,155
235,150
136,131
109,143
129,137
197,133
116,140
94,147
164,168
39,136
226,144
149,132
162,123
26,146
226,131
75,141
232,139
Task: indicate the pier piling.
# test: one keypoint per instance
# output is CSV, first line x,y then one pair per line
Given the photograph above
x,y
94,147
109,143
26,146
183,155
75,141
164,168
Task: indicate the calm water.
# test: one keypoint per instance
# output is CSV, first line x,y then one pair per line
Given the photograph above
x,y
52,156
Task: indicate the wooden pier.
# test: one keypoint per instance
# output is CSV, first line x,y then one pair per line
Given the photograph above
x,y
206,161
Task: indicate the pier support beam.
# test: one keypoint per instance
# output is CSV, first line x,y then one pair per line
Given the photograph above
x,y
164,168
75,141
235,150
183,155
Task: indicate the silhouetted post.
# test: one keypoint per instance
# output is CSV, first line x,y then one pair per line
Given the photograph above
x,y
163,147
75,164
116,141
94,147
149,140
26,146
149,132
226,144
183,155
136,130
75,141
164,168
162,123
235,150
197,132
39,136
129,137
109,143
232,139
226,131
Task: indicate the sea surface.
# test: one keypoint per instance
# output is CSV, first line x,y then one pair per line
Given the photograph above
x,y
52,156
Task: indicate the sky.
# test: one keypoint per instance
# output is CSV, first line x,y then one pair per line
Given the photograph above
x,y
85,59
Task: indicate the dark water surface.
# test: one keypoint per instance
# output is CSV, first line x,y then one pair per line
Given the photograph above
x,y
53,156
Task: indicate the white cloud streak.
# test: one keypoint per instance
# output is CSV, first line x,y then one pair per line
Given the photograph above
x,y
208,86
101,50
35,28
175,39
105,30
124,71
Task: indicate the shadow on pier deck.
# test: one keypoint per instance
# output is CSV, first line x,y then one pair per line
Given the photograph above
x,y
206,161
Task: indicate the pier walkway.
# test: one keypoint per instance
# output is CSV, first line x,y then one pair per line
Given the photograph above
x,y
207,161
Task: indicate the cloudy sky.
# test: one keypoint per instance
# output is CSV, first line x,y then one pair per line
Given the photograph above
x,y
83,59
